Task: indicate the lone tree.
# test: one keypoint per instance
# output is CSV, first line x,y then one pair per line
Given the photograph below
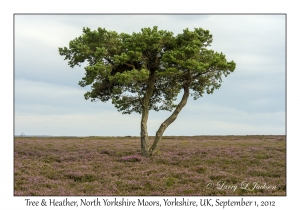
x,y
147,70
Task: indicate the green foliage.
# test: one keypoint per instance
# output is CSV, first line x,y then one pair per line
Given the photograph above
x,y
170,181
122,67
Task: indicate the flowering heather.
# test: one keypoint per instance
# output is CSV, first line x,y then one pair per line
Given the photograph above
x,y
198,165
132,158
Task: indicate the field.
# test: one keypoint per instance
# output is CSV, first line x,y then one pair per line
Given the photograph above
x,y
183,166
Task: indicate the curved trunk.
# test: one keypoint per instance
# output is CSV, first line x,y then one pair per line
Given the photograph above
x,y
171,119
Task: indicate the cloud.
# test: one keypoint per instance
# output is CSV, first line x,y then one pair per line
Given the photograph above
x,y
210,119
205,120
46,98
97,124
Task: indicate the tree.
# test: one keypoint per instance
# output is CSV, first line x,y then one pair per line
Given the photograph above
x,y
147,70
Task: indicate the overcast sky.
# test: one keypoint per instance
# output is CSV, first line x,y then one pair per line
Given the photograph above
x,y
49,101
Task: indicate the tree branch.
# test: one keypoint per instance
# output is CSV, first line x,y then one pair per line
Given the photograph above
x,y
197,75
130,65
170,119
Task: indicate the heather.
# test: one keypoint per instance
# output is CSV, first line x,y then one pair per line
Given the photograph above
x,y
182,166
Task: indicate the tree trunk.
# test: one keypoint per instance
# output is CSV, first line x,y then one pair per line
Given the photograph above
x,y
145,113
144,133
168,121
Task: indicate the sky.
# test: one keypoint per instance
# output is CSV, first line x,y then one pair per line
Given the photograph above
x,y
251,101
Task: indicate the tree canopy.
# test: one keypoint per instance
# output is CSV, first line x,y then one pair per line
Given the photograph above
x,y
147,70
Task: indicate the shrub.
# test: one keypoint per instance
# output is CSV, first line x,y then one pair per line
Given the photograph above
x,y
131,158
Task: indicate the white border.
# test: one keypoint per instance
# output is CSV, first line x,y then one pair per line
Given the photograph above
x,y
8,201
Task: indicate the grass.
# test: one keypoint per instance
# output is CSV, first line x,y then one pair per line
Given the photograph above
x,y
199,165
